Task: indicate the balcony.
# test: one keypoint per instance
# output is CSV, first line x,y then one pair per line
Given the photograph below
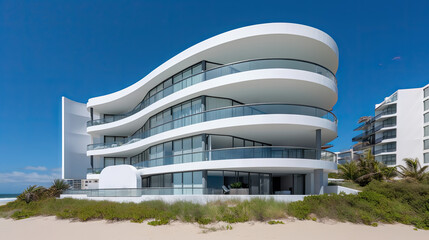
x,y
384,150
218,72
235,153
373,119
222,113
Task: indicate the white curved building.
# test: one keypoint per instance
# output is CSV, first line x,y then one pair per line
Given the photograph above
x,y
248,109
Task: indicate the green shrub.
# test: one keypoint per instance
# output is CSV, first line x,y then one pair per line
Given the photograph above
x,y
158,222
17,215
272,222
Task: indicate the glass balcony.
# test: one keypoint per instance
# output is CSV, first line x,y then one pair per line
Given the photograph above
x,y
221,113
218,72
235,153
138,192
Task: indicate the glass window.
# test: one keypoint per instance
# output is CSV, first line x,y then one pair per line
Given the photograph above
x,y
187,183
214,179
426,116
426,158
219,142
168,149
109,161
197,179
177,147
177,78
426,144
156,181
119,161
426,105
168,83
168,180
426,92
187,149
177,180
213,103
426,131
108,139
152,152
187,73
197,69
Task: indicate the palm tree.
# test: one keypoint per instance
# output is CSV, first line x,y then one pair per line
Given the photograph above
x,y
349,170
58,187
413,169
32,193
371,169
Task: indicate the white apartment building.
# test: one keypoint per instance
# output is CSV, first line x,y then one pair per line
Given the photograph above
x,y
249,108
400,128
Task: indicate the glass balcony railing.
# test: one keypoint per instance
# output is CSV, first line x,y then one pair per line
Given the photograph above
x,y
384,150
138,192
218,72
235,153
221,113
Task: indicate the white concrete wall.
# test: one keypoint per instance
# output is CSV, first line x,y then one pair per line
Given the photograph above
x,y
340,189
409,121
119,176
201,199
74,139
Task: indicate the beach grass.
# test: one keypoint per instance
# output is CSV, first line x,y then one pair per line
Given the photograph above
x,y
383,202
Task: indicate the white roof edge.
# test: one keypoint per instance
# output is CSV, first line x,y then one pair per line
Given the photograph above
x,y
239,33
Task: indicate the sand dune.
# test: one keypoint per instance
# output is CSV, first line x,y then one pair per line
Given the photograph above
x,y
51,228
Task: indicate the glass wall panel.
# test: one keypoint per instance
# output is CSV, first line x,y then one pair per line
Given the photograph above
x,y
156,181
426,92
168,180
426,131
187,183
213,103
197,182
426,105
215,179
187,149
254,184
229,178
109,161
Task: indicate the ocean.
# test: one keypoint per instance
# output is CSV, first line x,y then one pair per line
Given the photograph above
x,y
7,197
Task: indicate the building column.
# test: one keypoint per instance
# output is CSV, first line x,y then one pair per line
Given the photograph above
x,y
309,183
318,181
318,144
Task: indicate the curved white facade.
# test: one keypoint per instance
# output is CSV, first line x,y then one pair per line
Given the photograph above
x,y
248,108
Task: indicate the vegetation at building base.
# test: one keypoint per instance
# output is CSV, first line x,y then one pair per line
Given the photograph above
x,y
404,201
381,200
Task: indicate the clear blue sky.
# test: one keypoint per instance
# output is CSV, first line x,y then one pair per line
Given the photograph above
x,y
83,49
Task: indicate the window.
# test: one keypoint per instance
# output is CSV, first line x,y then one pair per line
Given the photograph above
x,y
426,131
387,159
389,134
109,161
426,92
426,105
426,117
426,158
426,144
390,122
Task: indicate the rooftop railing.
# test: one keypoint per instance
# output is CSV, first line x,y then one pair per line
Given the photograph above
x,y
221,113
223,70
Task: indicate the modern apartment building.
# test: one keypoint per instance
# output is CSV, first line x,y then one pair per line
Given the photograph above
x,y
399,129
249,108
347,156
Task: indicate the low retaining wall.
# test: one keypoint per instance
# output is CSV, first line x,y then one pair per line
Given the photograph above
x,y
339,189
201,199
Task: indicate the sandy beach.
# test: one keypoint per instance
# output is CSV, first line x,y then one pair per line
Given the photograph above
x,y
51,228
